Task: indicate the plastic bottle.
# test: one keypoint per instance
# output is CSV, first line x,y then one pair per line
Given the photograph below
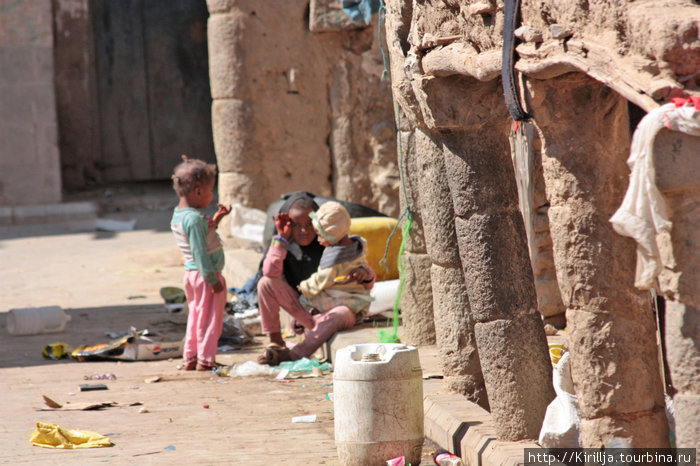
x,y
36,320
446,458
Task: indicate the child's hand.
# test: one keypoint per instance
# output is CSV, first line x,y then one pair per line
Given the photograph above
x,y
221,213
360,275
218,288
301,290
283,225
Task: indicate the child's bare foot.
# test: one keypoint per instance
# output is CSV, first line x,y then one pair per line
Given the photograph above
x,y
204,367
276,339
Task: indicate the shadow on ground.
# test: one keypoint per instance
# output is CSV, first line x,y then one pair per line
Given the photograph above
x,y
87,327
158,221
149,203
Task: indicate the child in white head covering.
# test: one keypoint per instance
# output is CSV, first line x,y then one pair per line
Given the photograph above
x,y
327,287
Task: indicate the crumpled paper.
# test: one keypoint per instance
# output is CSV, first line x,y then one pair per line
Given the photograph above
x,y
54,436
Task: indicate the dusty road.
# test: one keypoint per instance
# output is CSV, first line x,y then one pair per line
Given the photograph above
x,y
108,282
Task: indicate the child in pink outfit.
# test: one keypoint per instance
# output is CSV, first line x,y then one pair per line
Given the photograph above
x,y
196,236
294,256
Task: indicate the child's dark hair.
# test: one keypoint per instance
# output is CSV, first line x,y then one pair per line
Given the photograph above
x,y
191,174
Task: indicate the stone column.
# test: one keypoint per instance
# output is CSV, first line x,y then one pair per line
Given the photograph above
x,y
677,168
498,275
549,300
454,328
611,329
457,113
417,297
240,176
417,302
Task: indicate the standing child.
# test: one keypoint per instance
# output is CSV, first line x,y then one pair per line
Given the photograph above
x,y
195,234
329,286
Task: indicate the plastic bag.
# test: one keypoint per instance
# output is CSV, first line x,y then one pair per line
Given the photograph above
x,y
302,365
561,427
55,436
384,294
56,350
248,368
247,225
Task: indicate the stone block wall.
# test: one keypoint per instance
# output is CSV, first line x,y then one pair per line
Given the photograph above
x,y
297,110
29,155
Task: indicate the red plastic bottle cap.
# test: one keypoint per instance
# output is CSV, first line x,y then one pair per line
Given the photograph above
x,y
206,406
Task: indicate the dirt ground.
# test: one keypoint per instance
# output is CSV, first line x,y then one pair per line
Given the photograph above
x,y
108,282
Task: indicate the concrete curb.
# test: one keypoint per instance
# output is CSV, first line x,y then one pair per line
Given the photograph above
x,y
42,213
465,429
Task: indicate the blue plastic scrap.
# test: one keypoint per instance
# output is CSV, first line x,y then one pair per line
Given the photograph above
x,y
303,365
360,10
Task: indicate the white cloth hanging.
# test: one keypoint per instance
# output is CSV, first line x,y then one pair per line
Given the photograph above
x,y
643,214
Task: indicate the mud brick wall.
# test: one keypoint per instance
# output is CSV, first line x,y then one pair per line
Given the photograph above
x,y
29,156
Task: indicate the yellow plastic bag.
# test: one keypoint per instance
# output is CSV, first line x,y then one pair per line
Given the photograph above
x,y
555,352
56,350
173,294
55,436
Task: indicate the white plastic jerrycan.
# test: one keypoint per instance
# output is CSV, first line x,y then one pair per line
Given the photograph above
x,y
378,403
36,320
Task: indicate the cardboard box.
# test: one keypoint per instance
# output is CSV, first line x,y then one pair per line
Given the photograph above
x,y
148,349
136,346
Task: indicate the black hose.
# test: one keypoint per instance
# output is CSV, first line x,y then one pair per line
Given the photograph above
x,y
510,90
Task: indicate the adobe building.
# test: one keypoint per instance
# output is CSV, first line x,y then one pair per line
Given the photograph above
x,y
512,122
96,92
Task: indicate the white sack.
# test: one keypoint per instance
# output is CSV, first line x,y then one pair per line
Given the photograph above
x,y
561,427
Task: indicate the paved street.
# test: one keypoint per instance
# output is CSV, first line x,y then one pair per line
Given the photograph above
x,y
108,282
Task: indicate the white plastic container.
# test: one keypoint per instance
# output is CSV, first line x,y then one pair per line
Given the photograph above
x,y
378,404
36,320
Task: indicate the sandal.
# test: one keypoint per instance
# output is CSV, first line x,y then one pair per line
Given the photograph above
x,y
274,355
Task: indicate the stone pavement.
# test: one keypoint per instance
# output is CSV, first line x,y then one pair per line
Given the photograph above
x,y
110,280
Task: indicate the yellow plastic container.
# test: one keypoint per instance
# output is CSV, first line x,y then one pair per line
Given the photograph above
x,y
555,352
376,231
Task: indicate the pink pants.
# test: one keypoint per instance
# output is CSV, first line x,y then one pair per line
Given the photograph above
x,y
274,293
206,318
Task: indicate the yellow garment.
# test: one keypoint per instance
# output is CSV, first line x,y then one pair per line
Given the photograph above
x,y
55,436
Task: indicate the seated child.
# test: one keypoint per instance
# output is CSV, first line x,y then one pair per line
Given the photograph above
x,y
328,287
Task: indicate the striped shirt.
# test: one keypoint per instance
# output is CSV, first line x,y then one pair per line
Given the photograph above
x,y
201,247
